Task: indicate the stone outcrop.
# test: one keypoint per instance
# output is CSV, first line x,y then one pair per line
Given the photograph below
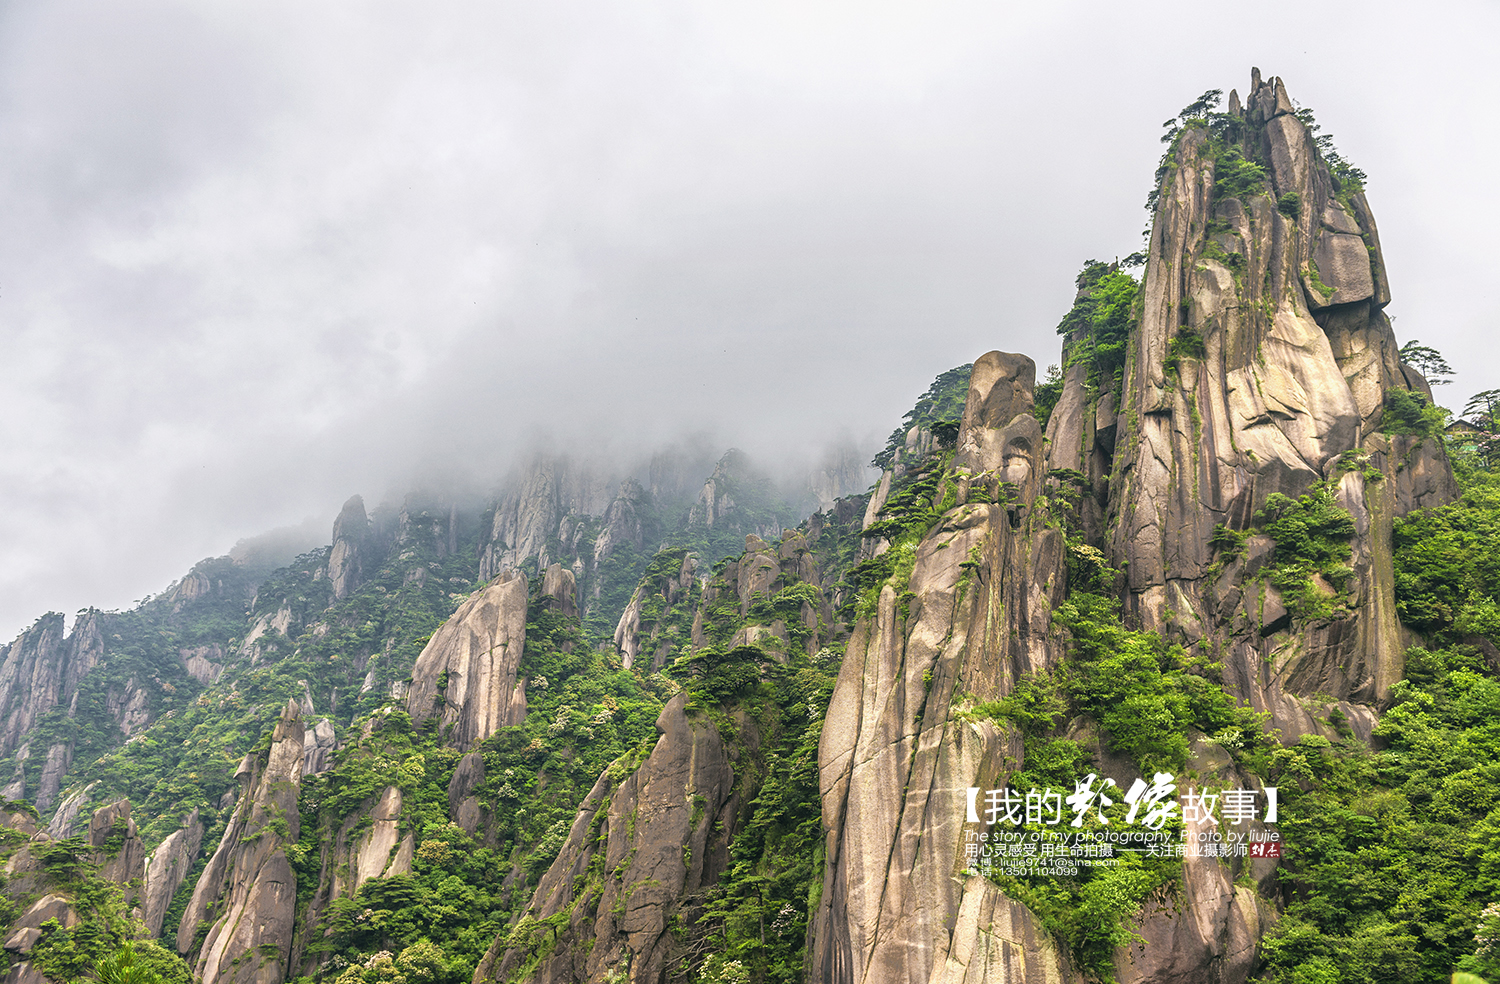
x,y
894,906
203,663
65,819
117,849
42,669
166,869
319,746
368,844
843,471
1283,287
25,931
560,589
464,806
1261,362
675,587
738,497
534,508
466,674
59,758
344,561
248,884
624,521
664,830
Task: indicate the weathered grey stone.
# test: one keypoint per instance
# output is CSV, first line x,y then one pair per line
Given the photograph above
x,y
125,865
561,590
318,747
129,706
463,803
1343,264
59,758
66,818
166,869
344,560
479,651
623,522
535,504
249,881
41,670
892,890
664,835
203,663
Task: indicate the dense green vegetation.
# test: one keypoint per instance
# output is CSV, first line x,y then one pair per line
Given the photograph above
x,y
70,869
1394,852
1098,325
1448,565
943,403
1147,698
1409,413
583,713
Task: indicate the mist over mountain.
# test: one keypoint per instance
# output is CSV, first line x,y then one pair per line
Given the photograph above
x,y
254,264
585,694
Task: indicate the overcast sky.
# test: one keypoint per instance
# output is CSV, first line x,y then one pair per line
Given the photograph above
x,y
257,257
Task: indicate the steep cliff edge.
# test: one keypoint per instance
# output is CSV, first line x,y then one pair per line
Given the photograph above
x,y
966,609
645,843
1212,507
708,833
239,922
469,666
1259,363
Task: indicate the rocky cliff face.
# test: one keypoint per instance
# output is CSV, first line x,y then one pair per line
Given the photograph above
x,y
646,842
344,561
528,517
466,675
166,869
368,844
240,919
1257,361
42,670
112,851
982,586
1263,364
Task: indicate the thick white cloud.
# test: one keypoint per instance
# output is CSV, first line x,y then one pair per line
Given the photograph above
x,y
257,258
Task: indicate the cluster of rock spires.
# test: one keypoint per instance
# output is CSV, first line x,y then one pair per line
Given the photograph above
x,y
1298,360
1284,287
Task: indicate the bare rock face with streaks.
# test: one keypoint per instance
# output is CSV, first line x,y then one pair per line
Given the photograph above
x,y
1263,363
466,676
663,832
1257,362
249,886
116,847
345,559
166,869
894,906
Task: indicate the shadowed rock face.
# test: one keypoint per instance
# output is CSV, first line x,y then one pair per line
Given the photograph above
x,y
477,652
560,588
368,845
249,881
664,831
344,560
117,848
894,907
548,491
41,670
